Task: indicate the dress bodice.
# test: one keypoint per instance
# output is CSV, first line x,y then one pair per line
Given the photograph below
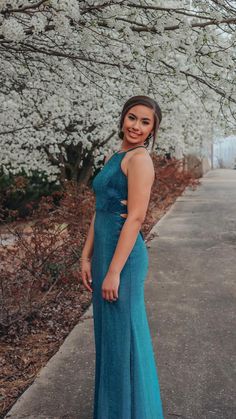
x,y
111,186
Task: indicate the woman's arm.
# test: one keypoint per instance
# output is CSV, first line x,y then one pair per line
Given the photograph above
x,y
87,253
141,175
88,246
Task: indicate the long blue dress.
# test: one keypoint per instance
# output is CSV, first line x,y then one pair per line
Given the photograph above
x,y
126,379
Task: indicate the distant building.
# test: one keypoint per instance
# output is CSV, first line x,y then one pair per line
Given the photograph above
x,y
224,153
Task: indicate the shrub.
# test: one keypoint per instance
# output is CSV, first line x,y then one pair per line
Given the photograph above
x,y
43,256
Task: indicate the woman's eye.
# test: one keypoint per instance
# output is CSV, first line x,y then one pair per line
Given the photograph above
x,y
132,117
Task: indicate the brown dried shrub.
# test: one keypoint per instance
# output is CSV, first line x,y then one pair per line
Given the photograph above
x,y
43,256
170,181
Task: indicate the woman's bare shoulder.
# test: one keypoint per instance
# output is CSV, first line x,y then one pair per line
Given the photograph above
x,y
143,159
141,156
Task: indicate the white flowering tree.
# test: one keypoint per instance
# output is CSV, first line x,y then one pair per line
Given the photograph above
x,y
68,66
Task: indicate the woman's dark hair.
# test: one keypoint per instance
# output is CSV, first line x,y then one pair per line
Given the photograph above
x,y
150,103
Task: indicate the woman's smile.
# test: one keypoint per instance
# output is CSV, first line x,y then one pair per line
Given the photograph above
x,y
133,134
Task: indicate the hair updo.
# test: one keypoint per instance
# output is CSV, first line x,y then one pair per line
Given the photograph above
x,y
150,103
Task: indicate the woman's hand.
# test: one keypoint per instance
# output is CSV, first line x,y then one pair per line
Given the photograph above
x,y
86,274
110,286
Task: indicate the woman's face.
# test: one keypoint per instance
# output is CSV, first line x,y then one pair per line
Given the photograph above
x,y
138,124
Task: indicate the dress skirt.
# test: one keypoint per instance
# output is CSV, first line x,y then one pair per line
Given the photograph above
x,y
126,379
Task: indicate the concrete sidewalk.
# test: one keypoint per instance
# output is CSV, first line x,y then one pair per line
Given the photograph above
x,y
190,300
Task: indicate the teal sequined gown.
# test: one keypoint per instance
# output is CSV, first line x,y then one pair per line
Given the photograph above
x,y
126,379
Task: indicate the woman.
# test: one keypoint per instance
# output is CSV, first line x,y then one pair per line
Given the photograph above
x,y
126,380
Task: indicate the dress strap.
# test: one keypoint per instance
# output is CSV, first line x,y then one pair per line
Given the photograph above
x,y
135,147
126,151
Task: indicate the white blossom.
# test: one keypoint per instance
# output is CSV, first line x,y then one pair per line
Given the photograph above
x,y
68,86
12,30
